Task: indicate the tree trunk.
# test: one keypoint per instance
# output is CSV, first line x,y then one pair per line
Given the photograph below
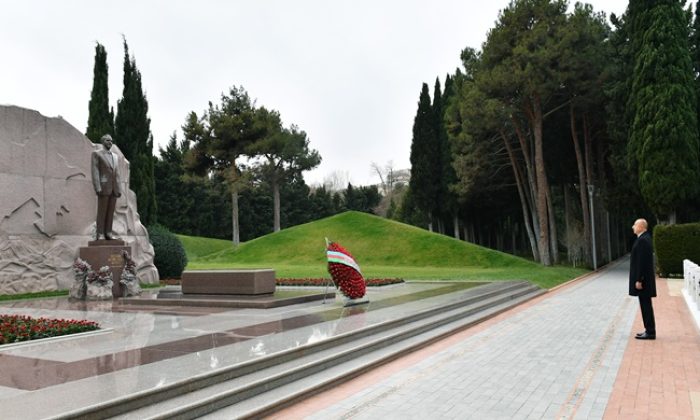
x,y
499,237
672,218
531,193
542,184
567,224
583,188
552,228
276,206
455,222
236,237
523,199
430,221
602,185
607,234
588,151
234,216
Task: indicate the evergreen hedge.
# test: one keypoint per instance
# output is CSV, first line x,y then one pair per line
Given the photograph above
x,y
675,243
170,258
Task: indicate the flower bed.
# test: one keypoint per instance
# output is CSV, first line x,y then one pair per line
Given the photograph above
x,y
14,328
323,282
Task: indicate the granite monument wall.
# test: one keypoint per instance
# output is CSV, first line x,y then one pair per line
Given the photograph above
x,y
48,204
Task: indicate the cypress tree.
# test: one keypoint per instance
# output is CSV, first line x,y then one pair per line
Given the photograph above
x,y
441,142
100,118
664,134
449,177
133,136
424,158
695,55
445,174
351,198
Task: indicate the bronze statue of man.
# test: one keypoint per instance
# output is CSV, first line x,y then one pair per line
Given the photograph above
x,y
106,180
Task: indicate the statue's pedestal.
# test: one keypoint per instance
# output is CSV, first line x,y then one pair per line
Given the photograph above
x,y
107,252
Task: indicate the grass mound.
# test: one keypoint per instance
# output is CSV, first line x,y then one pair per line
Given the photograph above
x,y
372,240
197,247
382,248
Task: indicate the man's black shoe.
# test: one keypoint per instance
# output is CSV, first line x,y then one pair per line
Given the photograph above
x,y
645,336
640,334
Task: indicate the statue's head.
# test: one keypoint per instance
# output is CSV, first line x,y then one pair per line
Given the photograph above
x,y
107,141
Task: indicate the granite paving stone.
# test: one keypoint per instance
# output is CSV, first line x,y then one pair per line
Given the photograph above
x,y
556,358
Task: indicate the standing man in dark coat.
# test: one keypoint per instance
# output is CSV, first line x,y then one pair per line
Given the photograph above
x,y
642,282
106,180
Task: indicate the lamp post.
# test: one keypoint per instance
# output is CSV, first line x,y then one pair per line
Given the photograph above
x,y
591,190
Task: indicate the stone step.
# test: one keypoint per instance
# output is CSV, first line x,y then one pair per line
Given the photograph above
x,y
141,398
267,385
271,401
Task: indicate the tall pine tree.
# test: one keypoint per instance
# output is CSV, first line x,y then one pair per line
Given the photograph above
x,y
133,136
170,183
664,134
101,118
222,137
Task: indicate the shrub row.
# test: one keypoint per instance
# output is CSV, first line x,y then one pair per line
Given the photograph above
x,y
675,243
170,257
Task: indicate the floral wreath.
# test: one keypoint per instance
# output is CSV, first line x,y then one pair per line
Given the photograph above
x,y
345,272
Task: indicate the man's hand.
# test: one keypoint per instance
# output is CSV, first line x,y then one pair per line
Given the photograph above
x,y
638,285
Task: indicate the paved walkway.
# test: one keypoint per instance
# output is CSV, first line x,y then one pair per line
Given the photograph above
x,y
568,354
661,379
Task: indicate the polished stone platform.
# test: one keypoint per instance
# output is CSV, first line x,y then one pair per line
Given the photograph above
x,y
156,347
173,296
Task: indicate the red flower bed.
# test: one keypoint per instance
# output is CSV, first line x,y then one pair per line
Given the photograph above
x,y
323,282
14,328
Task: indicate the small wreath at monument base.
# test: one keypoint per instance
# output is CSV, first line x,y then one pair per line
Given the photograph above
x,y
90,285
99,285
128,280
81,270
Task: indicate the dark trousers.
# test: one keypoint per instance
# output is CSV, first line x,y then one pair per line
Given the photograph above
x,y
105,213
647,314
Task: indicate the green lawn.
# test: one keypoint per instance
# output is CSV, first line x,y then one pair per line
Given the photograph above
x,y
382,247
197,247
34,295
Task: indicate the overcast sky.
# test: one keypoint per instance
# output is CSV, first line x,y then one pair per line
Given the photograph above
x,y
347,72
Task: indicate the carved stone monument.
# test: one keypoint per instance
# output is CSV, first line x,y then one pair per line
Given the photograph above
x,y
48,205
